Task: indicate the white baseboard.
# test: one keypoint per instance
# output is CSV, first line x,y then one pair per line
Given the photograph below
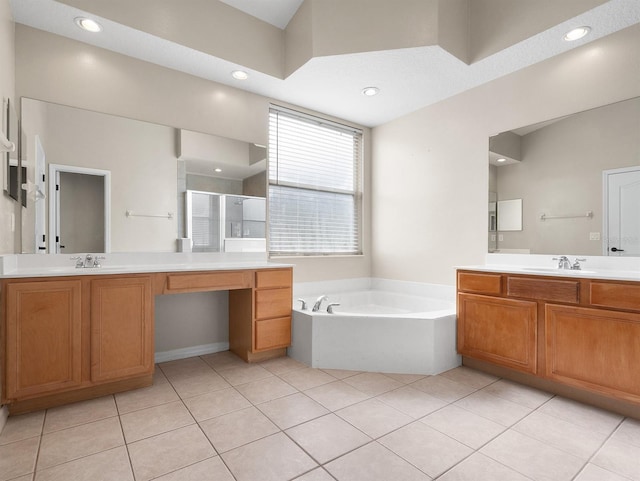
x,y
191,351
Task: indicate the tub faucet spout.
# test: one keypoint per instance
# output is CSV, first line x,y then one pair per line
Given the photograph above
x,y
316,306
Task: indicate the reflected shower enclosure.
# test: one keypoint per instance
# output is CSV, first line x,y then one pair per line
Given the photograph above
x,y
225,223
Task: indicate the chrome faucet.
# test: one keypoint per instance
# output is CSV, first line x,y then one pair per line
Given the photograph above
x,y
89,261
576,265
331,306
304,304
316,306
563,262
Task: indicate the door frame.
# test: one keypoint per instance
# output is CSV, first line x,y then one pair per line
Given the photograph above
x,y
605,202
54,170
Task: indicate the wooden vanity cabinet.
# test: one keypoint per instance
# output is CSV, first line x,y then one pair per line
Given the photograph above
x,y
44,324
577,332
75,334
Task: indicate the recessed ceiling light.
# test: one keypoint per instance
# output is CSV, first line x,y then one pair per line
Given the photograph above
x,y
502,159
576,33
370,91
217,170
240,75
88,24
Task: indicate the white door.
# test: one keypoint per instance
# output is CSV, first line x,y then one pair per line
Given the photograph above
x,y
622,212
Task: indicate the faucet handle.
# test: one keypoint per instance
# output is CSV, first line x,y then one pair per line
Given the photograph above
x,y
331,306
576,265
96,261
78,259
304,304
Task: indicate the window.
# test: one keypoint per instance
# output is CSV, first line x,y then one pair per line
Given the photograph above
x,y
314,185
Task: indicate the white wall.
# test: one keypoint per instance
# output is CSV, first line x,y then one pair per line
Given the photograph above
x,y
431,165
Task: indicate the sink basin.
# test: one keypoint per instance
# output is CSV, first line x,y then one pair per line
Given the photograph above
x,y
555,270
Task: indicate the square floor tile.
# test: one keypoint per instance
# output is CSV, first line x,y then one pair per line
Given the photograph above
x,y
478,467
518,393
318,474
274,458
373,462
79,441
628,432
22,427
372,383
307,378
429,450
591,472
620,458
222,360
183,368
196,384
374,417
470,377
266,389
464,426
443,388
19,458
168,452
145,397
327,437
405,378
569,437
237,375
336,395
532,457
494,408
281,365
581,414
217,403
237,428
212,469
111,465
155,420
412,402
341,373
292,410
70,415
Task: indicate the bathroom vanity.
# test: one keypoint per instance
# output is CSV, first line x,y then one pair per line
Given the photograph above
x,y
90,332
573,333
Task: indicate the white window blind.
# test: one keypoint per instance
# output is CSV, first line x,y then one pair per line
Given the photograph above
x,y
314,185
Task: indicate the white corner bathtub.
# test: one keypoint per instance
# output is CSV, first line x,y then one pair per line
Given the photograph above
x,y
380,326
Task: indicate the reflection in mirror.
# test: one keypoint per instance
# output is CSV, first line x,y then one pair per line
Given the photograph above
x,y
150,167
13,174
557,168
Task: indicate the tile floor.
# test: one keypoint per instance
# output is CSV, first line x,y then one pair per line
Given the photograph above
x,y
215,418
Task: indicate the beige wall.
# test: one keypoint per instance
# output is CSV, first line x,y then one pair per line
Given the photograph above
x,y
431,165
9,209
142,161
56,69
561,174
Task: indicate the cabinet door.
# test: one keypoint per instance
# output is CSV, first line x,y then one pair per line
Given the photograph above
x,y
121,328
44,321
595,349
501,331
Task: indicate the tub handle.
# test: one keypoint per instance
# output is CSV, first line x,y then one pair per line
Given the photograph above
x,y
304,304
331,306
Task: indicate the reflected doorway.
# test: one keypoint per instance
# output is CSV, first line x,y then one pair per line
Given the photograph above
x,y
79,209
621,189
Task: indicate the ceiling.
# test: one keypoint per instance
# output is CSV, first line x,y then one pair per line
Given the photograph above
x,y
408,78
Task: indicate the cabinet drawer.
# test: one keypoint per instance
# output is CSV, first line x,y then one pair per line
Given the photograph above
x,y
208,281
619,296
271,279
273,303
544,289
480,283
273,333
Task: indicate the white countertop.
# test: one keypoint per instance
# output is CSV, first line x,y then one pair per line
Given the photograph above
x,y
46,265
594,267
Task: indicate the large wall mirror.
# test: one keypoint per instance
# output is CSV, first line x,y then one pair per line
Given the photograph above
x,y
102,183
579,181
